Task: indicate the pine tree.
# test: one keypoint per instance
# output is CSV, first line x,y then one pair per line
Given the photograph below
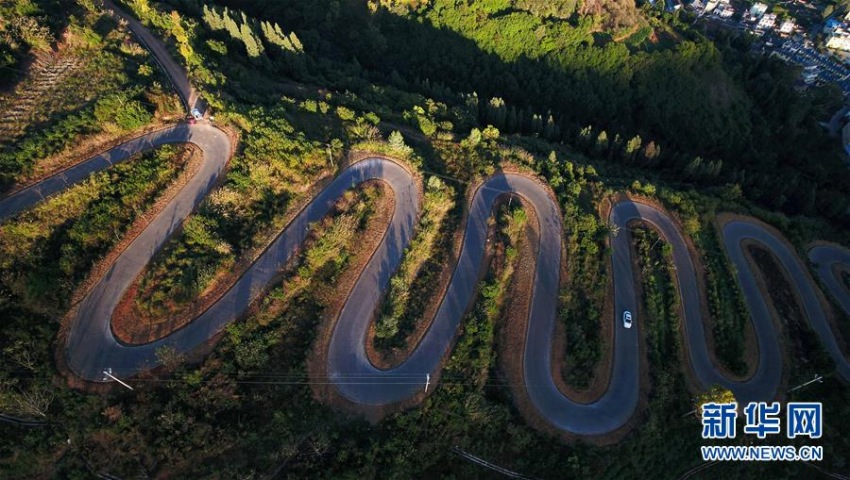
x,y
213,19
549,129
694,167
272,36
286,43
230,25
253,45
632,147
602,142
497,113
296,43
585,136
536,123
651,152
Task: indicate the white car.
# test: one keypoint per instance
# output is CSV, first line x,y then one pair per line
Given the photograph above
x,y
197,115
627,319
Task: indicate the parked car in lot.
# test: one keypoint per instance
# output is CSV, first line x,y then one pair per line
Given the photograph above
x,y
627,319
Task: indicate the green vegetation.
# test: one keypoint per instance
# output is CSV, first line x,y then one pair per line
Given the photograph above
x,y
474,357
415,282
98,81
516,66
586,283
22,159
119,112
327,252
543,73
243,214
48,250
726,303
181,277
715,394
662,322
729,313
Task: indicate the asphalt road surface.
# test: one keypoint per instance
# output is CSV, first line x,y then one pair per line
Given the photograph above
x,y
158,50
91,346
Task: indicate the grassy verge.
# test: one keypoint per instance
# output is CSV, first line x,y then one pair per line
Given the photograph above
x,y
662,321
725,302
583,297
415,282
244,213
473,356
258,365
328,250
49,249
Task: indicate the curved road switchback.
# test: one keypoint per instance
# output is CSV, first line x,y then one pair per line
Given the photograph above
x,y
176,73
91,347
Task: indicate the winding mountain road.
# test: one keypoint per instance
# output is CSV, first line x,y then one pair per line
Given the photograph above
x,y
91,347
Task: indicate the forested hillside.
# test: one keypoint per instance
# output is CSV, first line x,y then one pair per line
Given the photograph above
x,y
719,114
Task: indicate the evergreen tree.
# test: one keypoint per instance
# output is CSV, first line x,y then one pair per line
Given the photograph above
x,y
694,168
213,20
585,136
536,123
651,153
497,113
296,43
602,143
632,147
231,26
253,45
549,129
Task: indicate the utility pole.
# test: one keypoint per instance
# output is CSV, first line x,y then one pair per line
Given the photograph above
x,y
427,381
818,378
108,374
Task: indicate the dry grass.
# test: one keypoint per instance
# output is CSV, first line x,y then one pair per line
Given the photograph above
x,y
43,92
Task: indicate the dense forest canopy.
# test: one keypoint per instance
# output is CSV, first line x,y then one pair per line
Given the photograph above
x,y
721,114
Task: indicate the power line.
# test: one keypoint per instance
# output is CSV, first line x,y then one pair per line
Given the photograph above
x,y
486,464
